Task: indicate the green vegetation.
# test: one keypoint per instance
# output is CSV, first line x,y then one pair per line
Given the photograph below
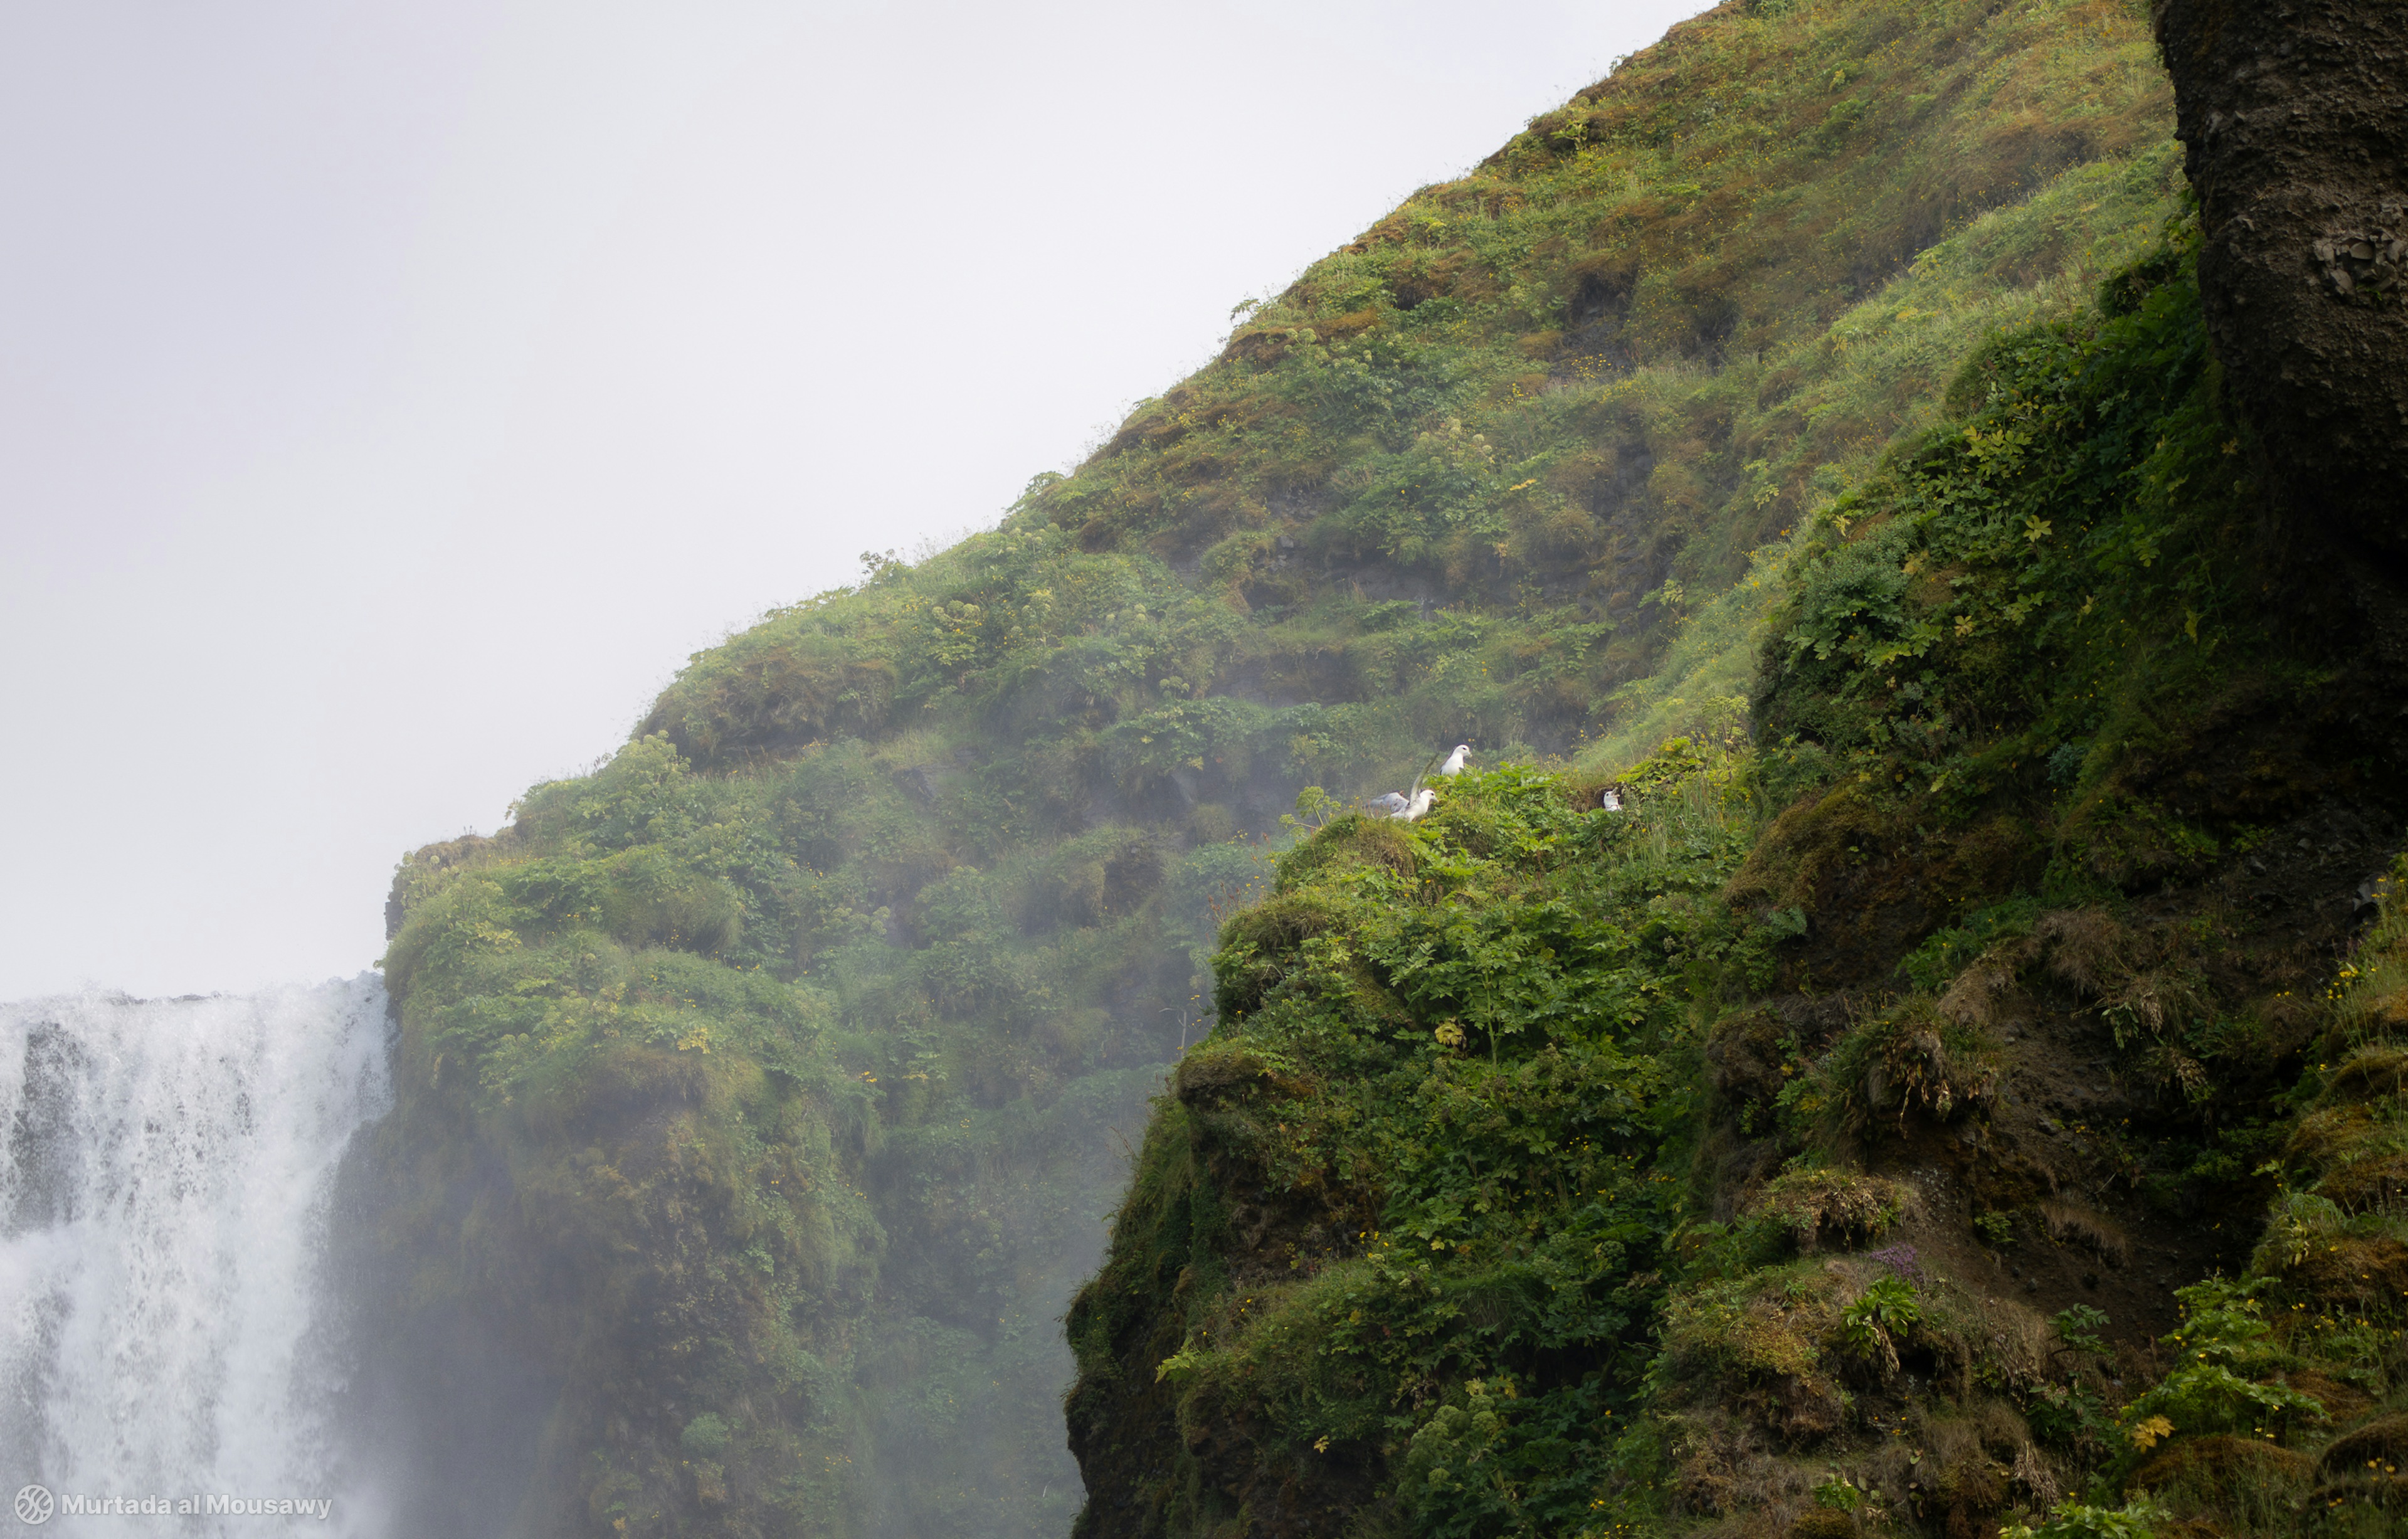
x,y
1473,474
1807,432
1884,933
799,1193
1406,1207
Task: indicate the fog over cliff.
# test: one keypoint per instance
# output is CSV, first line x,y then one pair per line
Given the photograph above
x,y
329,333
324,328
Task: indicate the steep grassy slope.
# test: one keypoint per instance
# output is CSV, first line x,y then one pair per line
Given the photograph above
x,y
1552,399
1873,1132
761,1086
1878,1128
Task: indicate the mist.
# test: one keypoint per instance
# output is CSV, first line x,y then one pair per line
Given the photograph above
x,y
391,397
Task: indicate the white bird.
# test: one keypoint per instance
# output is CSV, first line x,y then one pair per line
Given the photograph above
x,y
1609,799
1391,805
1454,764
1421,804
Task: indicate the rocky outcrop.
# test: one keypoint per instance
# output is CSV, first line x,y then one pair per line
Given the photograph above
x,y
2294,118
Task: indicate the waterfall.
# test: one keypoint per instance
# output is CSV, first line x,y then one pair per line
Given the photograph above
x,y
165,1174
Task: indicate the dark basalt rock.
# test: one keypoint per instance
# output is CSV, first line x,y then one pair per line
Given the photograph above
x,y
2294,117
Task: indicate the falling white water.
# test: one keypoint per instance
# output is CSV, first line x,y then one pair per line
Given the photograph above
x,y
166,1173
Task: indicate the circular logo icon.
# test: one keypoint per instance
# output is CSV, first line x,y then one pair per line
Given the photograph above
x,y
34,1505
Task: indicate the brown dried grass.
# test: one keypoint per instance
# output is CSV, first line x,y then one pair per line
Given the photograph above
x,y
2089,949
2070,1224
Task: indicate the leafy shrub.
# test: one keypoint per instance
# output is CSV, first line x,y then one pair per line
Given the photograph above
x,y
2078,1327
707,1434
2223,1327
2137,1519
1887,1310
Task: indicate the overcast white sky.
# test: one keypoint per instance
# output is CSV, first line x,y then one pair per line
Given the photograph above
x,y
392,395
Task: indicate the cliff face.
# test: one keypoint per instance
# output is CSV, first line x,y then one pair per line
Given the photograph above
x,y
1848,1134
759,1092
2294,123
1976,1097
2294,120
1394,1237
